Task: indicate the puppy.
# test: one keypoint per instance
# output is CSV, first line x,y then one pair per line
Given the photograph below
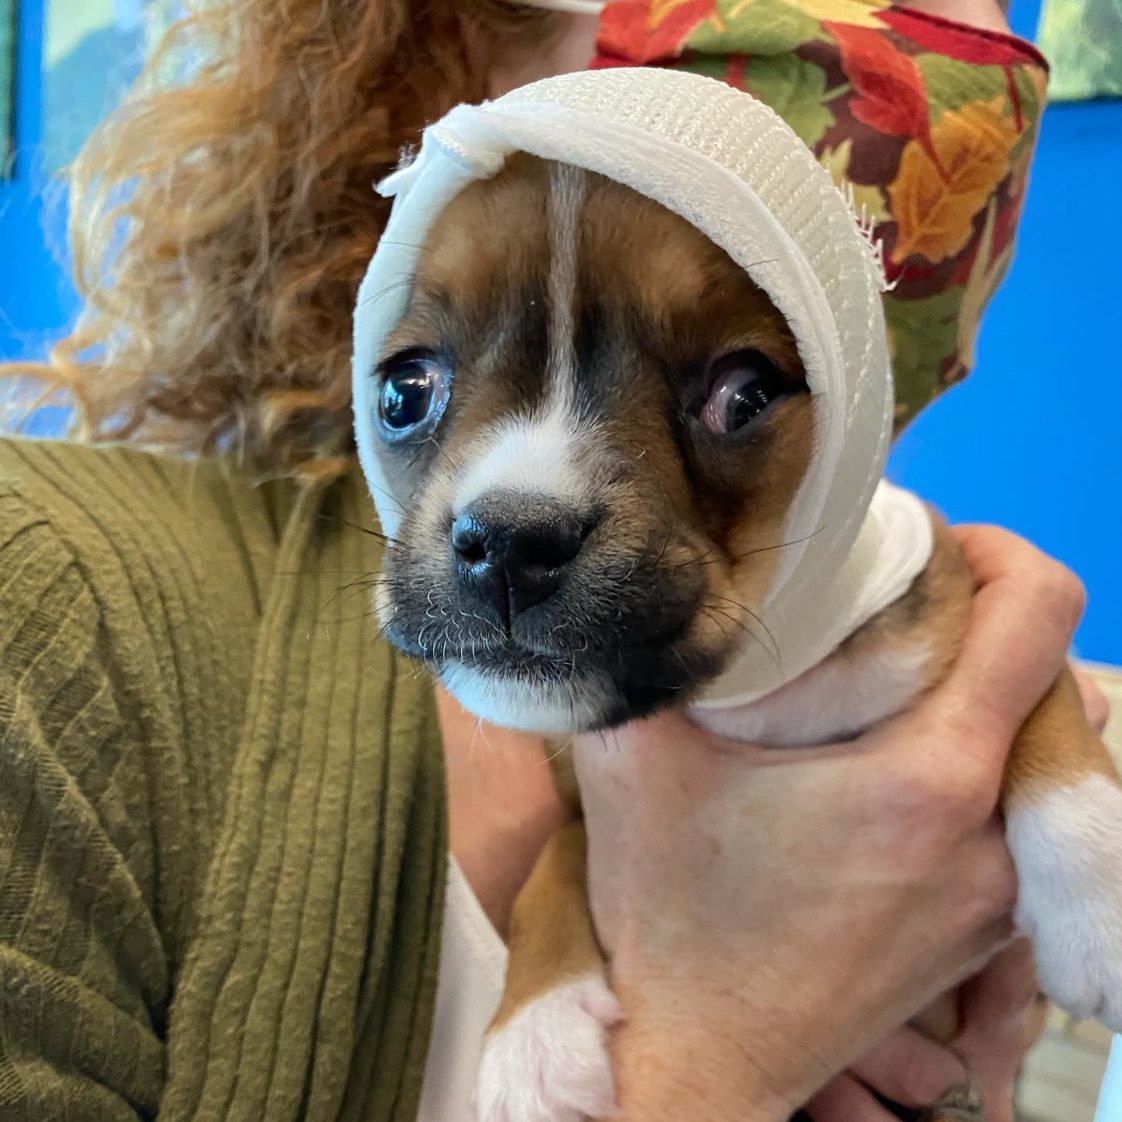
x,y
600,423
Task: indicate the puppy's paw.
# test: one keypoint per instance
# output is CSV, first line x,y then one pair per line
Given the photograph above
x,y
549,1062
1068,850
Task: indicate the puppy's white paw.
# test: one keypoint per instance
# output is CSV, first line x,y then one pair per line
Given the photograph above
x,y
549,1062
1068,850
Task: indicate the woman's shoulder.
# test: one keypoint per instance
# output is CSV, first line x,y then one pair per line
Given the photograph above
x,y
75,477
142,505
170,551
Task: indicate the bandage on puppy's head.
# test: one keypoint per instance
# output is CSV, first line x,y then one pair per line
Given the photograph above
x,y
621,389
595,422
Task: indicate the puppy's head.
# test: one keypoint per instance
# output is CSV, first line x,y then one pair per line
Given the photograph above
x,y
596,424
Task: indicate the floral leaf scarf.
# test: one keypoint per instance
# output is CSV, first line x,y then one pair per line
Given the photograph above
x,y
929,123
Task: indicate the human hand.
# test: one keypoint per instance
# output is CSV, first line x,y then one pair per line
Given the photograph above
x,y
1095,703
773,915
1000,1018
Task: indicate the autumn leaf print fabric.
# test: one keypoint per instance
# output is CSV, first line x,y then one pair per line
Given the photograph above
x,y
931,125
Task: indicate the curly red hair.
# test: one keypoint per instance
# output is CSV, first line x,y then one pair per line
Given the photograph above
x,y
220,225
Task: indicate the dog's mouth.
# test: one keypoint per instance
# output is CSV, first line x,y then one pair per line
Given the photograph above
x,y
513,660
563,676
463,638
507,659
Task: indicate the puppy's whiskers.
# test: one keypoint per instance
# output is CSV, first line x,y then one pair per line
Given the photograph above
x,y
406,283
757,619
440,448
560,751
711,556
781,545
771,648
404,245
386,494
377,535
364,583
478,733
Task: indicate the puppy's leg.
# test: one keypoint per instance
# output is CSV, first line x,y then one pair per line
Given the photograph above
x,y
545,1058
1063,811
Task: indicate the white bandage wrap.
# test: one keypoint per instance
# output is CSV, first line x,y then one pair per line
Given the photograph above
x,y
736,171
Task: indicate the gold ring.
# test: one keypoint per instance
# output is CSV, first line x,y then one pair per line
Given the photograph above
x,y
959,1104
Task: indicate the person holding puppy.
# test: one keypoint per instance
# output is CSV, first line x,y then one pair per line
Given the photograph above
x,y
228,807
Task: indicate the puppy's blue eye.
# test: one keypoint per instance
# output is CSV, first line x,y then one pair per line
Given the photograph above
x,y
744,386
415,391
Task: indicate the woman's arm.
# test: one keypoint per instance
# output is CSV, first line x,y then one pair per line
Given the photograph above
x,y
84,976
747,988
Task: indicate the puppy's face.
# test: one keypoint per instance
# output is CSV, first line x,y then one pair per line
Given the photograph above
x,y
596,423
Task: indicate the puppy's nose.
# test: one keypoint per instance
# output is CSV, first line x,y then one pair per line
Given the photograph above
x,y
512,550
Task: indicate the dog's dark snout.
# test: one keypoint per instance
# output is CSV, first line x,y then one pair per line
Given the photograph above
x,y
511,551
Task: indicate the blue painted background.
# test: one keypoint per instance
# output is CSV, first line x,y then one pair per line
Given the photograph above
x,y
1031,441
36,301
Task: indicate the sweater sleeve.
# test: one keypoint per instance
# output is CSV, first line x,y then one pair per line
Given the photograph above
x,y
222,827
84,978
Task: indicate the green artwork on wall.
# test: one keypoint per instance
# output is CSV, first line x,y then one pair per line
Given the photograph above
x,y
7,85
1082,39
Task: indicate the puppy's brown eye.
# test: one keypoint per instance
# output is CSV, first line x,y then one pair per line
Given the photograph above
x,y
415,391
744,385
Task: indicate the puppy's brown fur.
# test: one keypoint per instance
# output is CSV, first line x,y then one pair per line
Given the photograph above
x,y
684,518
655,301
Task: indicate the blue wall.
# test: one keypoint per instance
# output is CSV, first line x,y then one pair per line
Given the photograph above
x,y
36,300
1031,441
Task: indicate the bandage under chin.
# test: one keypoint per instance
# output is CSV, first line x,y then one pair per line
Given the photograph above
x,y
735,170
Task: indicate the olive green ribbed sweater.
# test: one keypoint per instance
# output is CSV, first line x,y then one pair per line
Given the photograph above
x,y
222,828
